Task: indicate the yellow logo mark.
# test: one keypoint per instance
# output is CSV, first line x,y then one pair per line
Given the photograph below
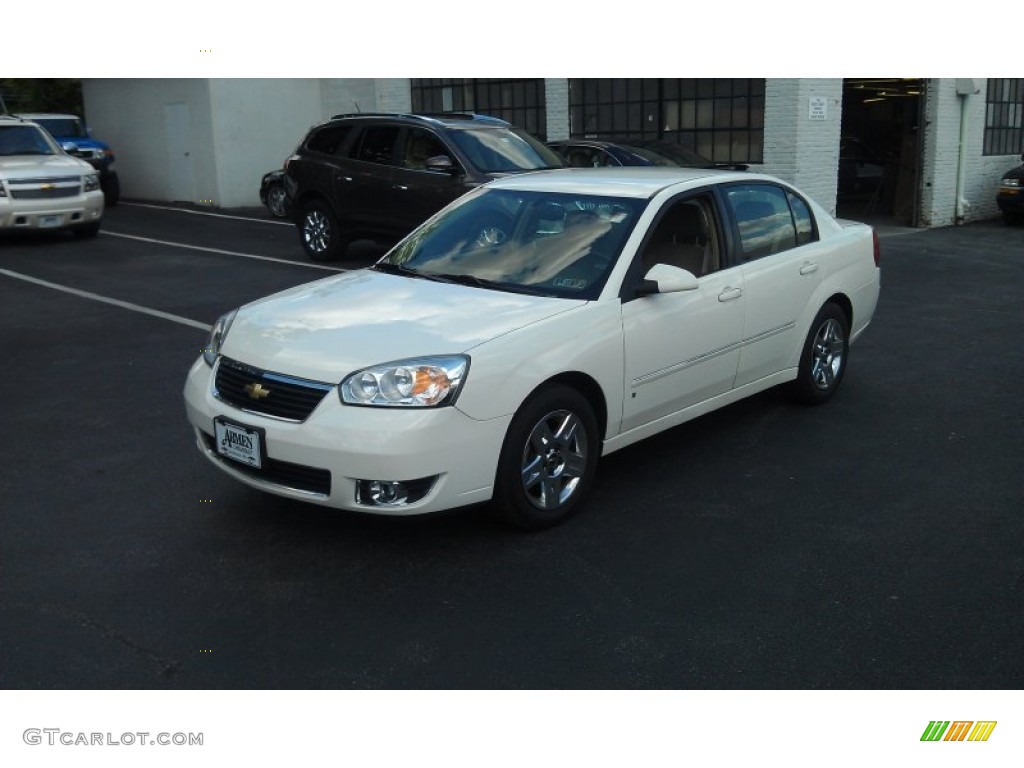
x,y
257,391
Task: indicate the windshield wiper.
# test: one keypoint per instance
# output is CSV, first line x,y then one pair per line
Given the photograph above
x,y
483,282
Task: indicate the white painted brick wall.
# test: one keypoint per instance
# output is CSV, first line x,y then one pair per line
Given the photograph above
x,y
942,153
797,149
556,100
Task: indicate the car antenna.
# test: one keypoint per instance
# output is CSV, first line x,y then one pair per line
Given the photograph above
x,y
357,105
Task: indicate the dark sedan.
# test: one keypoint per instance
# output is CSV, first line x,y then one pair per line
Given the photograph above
x,y
1011,194
594,153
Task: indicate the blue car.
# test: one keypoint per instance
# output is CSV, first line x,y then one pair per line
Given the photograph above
x,y
71,133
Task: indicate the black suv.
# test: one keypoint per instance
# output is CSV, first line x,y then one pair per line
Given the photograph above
x,y
378,176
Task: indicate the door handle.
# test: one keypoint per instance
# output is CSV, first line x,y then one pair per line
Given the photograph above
x,y
808,267
402,187
339,177
729,293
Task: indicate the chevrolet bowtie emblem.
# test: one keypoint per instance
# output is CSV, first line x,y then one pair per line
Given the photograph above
x,y
47,187
257,391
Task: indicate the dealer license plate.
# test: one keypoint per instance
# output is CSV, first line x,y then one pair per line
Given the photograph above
x,y
49,221
239,443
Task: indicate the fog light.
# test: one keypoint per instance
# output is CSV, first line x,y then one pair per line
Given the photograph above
x,y
392,493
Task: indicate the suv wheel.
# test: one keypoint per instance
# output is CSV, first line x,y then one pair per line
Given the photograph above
x,y
321,237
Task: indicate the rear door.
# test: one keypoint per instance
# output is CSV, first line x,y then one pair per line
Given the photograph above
x,y
777,245
363,184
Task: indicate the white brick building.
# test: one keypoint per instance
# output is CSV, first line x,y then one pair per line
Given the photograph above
x,y
208,141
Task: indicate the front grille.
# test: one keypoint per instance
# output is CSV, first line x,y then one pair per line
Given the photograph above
x,y
285,396
44,194
283,473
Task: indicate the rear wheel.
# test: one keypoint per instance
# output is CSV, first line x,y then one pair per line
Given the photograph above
x,y
1012,217
276,201
823,359
319,232
548,460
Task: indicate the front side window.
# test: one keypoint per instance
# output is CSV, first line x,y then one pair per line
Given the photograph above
x,y
763,218
685,237
551,244
420,145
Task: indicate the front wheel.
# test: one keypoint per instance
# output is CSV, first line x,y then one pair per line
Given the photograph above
x,y
319,232
548,460
823,359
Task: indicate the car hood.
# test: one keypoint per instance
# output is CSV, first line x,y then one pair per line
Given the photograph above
x,y
35,166
327,329
1015,173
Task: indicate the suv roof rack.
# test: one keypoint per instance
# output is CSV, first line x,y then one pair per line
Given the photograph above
x,y
431,117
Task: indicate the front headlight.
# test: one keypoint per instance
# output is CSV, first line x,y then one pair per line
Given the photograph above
x,y
1010,182
217,336
420,382
91,182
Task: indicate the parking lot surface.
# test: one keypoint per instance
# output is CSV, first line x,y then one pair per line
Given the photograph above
x,y
874,542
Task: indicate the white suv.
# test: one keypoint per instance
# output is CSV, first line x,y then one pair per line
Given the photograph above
x,y
41,186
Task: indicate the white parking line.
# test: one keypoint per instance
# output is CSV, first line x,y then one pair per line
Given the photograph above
x,y
221,251
209,213
107,300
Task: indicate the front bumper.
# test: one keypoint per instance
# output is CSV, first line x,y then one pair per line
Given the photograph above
x,y
1011,200
351,443
60,213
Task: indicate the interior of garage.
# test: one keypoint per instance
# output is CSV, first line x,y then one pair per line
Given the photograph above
x,y
880,150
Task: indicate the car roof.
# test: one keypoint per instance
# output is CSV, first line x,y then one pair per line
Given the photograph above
x,y
444,119
638,181
46,115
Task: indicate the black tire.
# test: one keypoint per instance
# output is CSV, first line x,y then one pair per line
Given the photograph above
x,y
319,233
554,432
1012,217
277,203
111,191
87,231
824,356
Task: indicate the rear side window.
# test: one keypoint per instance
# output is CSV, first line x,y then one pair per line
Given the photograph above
x,y
802,218
328,139
769,219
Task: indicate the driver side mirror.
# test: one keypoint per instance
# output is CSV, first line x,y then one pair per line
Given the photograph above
x,y
441,164
663,278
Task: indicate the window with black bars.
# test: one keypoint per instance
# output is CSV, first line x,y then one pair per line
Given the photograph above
x,y
721,119
1004,116
520,102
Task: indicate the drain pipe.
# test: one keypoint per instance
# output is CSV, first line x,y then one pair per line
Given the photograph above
x,y
964,88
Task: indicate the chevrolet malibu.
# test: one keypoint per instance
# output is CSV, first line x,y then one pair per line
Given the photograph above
x,y
532,326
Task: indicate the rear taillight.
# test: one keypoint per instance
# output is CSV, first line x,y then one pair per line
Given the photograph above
x,y
878,250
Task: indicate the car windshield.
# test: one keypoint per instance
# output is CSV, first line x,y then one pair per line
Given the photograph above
x,y
550,244
26,140
64,127
504,150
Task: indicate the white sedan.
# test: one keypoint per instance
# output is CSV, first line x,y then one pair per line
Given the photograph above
x,y
532,326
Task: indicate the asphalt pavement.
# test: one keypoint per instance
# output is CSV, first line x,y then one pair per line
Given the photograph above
x,y
874,542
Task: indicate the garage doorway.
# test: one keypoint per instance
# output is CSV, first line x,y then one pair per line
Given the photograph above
x,y
880,150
